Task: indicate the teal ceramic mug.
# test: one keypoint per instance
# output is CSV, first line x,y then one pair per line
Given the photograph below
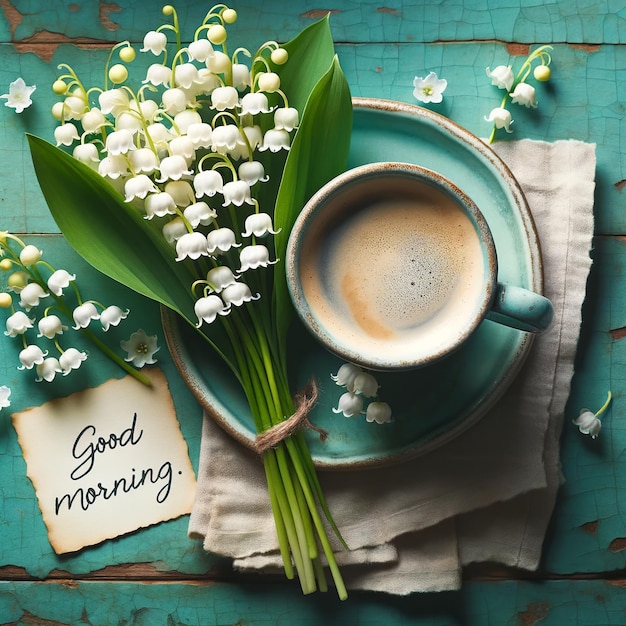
x,y
391,266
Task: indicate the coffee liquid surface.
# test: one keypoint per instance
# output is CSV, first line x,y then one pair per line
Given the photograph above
x,y
400,273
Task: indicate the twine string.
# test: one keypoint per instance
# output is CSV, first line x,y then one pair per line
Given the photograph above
x,y
304,401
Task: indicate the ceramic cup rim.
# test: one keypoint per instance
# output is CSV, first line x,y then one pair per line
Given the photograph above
x,y
316,209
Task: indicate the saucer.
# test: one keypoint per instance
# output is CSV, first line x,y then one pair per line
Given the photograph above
x,y
431,405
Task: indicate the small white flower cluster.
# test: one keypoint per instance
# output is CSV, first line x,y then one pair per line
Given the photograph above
x,y
360,385
27,281
517,88
188,147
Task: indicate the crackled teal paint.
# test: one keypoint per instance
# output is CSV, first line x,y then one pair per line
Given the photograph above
x,y
382,46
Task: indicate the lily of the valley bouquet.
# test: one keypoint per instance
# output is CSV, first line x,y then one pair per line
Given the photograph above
x,y
184,184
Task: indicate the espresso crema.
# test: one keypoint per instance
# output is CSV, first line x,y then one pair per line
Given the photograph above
x,y
402,274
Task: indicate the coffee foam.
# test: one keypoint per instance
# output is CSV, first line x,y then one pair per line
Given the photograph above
x,y
397,276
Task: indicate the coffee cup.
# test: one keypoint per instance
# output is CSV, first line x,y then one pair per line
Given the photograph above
x,y
391,266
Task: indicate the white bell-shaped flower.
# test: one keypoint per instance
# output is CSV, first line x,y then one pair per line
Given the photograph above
x,y
49,326
120,142
143,161
379,412
224,138
185,75
275,140
157,75
254,256
220,277
71,359
259,225
207,81
93,120
236,192
200,50
114,101
350,404
31,294
185,119
241,76
192,246
221,240
159,205
218,62
146,108
87,153
74,108
224,98
59,280
252,172
18,324
30,356
174,230
208,308
345,375
183,146
200,134
525,95
501,76
154,42
48,369
159,134
173,168
138,187
181,191
286,118
199,213
83,314
113,167
128,120
208,183
254,103
501,118
175,100
112,316
366,384
238,294
65,134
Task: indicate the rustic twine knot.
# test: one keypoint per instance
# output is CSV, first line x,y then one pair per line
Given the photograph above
x,y
305,400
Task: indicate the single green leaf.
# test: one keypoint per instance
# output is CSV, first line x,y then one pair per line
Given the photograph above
x,y
107,232
319,153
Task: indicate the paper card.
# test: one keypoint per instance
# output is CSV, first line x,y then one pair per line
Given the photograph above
x,y
106,461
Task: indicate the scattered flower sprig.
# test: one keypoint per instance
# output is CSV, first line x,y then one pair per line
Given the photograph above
x,y
429,89
19,96
589,423
32,281
517,89
361,386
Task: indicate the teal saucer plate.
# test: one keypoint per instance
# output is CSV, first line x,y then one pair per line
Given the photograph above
x,y
431,405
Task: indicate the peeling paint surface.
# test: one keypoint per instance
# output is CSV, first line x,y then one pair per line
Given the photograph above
x,y
159,576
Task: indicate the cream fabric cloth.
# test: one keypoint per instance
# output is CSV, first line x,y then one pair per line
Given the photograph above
x,y
485,496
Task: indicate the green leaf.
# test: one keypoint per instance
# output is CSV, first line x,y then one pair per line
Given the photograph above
x,y
108,232
319,153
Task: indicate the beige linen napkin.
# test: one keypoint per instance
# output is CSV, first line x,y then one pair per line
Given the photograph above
x,y
486,495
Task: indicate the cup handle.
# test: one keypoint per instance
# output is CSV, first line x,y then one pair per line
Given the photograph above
x,y
520,308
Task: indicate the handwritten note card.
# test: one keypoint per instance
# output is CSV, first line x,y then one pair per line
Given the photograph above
x,y
106,461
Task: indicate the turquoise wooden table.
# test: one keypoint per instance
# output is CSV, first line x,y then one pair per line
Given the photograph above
x,y
159,576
